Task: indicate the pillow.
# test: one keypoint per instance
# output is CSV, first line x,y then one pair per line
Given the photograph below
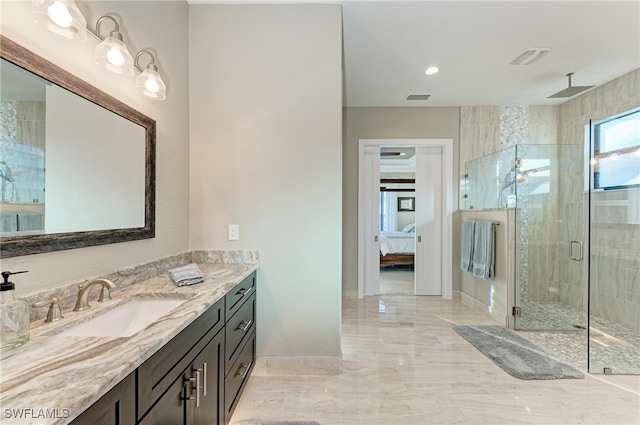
x,y
409,228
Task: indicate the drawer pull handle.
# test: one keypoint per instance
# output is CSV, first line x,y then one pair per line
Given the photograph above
x,y
195,385
197,388
244,326
203,371
243,291
245,371
204,389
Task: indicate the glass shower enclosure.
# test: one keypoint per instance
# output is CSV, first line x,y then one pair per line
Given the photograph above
x,y
577,254
614,244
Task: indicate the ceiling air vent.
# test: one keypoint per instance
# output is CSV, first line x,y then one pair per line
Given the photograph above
x,y
418,97
529,56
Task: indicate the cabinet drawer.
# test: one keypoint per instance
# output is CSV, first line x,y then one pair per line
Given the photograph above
x,y
157,374
236,379
239,293
237,328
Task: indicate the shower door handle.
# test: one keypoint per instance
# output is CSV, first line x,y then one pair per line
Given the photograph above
x,y
571,245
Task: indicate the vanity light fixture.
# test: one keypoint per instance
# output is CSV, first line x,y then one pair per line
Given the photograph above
x,y
149,81
61,17
112,52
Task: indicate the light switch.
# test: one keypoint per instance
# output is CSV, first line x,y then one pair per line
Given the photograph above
x,y
234,232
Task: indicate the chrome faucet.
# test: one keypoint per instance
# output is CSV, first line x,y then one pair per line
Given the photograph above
x,y
83,294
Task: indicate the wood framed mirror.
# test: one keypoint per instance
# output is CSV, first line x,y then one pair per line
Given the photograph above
x,y
105,197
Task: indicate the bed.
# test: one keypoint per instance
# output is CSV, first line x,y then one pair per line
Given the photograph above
x,y
397,248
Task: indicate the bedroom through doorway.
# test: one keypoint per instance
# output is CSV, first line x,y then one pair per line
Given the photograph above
x,y
405,216
397,219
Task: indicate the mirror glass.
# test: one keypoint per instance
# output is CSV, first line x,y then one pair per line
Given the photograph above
x,y
76,165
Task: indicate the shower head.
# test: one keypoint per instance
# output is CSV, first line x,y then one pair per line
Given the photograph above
x,y
571,90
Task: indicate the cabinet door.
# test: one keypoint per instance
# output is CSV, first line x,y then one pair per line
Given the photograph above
x,y
159,372
210,365
171,408
117,407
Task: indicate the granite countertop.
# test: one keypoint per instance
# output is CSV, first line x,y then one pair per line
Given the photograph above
x,y
63,376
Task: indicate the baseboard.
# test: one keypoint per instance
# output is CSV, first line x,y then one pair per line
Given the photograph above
x,y
350,293
481,307
295,366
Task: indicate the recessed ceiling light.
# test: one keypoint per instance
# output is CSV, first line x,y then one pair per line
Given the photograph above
x,y
432,70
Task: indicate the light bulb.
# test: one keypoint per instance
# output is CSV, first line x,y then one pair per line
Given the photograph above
x,y
115,58
59,14
152,85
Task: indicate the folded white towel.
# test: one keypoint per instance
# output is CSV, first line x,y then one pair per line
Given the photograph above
x,y
186,275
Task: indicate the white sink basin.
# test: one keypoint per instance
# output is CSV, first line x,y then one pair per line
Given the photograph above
x,y
126,319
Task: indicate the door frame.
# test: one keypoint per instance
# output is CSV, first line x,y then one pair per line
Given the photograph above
x,y
447,205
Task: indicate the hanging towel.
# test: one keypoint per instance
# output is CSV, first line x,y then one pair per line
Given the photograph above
x,y
30,221
466,245
8,222
186,275
484,250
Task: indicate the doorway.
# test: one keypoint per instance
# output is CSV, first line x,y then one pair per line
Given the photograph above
x,y
397,220
434,228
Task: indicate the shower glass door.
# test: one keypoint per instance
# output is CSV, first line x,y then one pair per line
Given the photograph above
x,y
550,238
614,245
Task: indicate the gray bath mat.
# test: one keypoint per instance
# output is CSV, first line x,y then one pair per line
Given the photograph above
x,y
517,356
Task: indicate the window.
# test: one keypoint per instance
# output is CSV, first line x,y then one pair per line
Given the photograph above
x,y
384,213
616,152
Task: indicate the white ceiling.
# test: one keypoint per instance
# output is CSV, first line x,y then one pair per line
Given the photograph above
x,y
389,44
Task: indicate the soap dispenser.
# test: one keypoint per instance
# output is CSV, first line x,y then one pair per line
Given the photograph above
x,y
14,315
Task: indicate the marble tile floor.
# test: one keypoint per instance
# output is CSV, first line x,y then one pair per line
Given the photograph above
x,y
404,364
396,281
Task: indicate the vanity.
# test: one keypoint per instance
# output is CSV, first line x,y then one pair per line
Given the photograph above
x,y
189,366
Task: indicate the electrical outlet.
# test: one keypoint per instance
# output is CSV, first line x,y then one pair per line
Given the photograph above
x,y
234,232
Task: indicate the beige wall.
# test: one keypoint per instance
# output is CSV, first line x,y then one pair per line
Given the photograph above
x,y
266,120
383,123
162,26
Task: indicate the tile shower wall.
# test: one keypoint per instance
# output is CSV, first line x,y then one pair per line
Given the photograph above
x,y
22,147
615,228
492,133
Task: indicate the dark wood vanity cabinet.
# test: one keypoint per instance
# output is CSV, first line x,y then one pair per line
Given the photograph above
x,y
169,370
197,377
117,407
240,352
196,396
